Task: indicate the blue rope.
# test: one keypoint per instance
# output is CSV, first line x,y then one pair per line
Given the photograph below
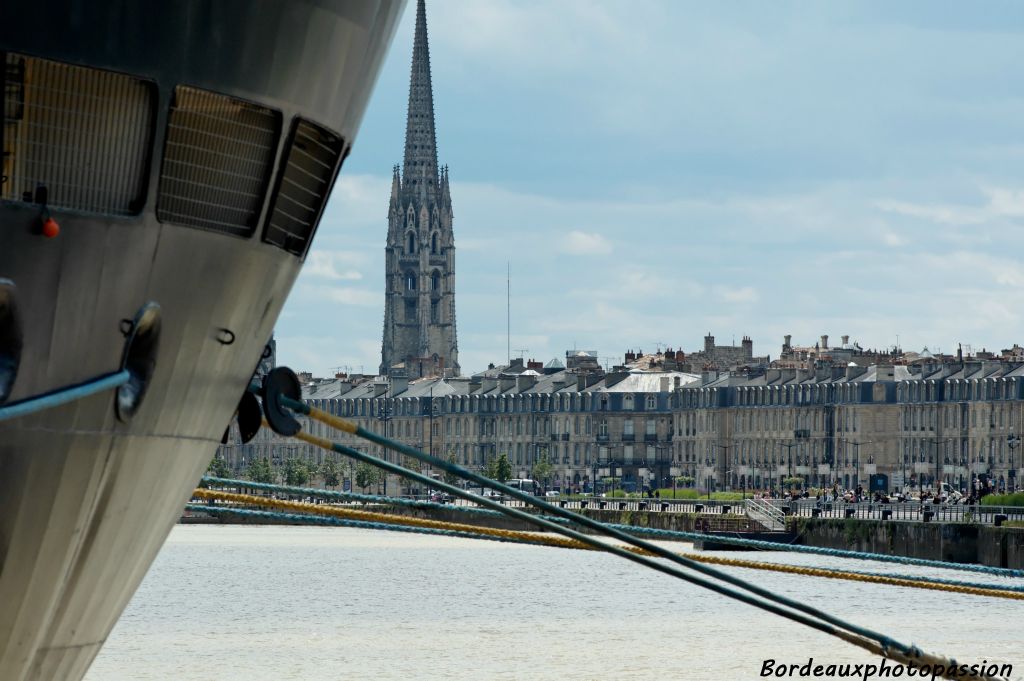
x,y
343,496
64,395
309,519
757,544
762,545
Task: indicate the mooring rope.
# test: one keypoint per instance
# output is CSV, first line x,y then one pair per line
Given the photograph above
x,y
64,395
317,510
755,544
766,599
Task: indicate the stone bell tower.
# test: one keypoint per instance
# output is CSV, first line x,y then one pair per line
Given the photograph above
x,y
419,308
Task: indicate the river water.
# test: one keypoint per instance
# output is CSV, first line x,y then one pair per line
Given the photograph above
x,y
309,603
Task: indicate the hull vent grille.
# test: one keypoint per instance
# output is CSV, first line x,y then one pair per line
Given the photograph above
x,y
75,138
303,185
217,161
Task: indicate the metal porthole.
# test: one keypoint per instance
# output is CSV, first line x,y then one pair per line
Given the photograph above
x,y
10,338
139,359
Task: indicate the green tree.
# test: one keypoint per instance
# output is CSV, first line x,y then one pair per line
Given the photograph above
x,y
329,471
296,473
367,475
542,470
218,467
502,469
451,478
260,471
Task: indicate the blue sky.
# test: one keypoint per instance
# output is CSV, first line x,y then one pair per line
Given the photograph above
x,y
657,170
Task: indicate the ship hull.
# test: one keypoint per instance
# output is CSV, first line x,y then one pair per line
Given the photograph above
x,y
86,498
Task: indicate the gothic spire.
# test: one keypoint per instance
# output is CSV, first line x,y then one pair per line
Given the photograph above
x,y
420,138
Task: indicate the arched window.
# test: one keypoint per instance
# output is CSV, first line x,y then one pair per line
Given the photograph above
x,y
435,281
411,244
433,243
410,281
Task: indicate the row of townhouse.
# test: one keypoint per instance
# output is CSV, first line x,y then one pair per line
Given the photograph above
x,y
891,426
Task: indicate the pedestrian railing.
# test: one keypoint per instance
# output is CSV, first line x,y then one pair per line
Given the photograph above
x,y
915,511
769,516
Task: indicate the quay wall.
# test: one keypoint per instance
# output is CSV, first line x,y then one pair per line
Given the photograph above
x,y
953,542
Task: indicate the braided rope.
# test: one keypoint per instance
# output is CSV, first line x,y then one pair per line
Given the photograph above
x,y
783,606
534,538
758,544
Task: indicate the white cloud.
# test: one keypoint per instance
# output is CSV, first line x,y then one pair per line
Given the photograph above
x,y
585,243
342,295
330,265
894,240
743,294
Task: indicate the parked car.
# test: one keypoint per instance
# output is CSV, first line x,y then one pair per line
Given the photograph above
x,y
552,493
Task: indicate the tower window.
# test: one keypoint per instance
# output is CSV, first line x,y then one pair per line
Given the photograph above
x,y
410,248
433,243
410,281
433,312
435,281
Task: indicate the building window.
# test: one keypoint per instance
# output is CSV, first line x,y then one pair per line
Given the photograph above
x,y
410,281
435,281
652,402
433,243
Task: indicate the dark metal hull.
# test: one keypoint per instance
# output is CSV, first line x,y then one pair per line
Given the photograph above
x,y
86,500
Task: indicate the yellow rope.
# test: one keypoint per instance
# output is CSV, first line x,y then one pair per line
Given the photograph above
x,y
333,421
356,514
561,542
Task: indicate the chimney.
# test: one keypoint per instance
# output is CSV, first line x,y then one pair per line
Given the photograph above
x,y
665,383
709,342
854,371
676,382
489,383
399,384
379,389
824,341
787,342
748,347
525,382
846,341
506,382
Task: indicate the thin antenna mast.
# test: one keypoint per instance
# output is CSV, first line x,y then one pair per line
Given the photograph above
x,y
508,311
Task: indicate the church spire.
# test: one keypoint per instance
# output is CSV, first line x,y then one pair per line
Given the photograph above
x,y
420,138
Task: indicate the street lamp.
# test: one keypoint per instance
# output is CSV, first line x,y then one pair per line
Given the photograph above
x,y
1012,441
937,442
856,457
384,416
789,454
726,448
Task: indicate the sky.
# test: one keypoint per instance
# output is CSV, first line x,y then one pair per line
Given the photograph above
x,y
652,171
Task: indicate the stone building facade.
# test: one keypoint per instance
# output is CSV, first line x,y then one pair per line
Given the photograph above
x,y
732,430
419,312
